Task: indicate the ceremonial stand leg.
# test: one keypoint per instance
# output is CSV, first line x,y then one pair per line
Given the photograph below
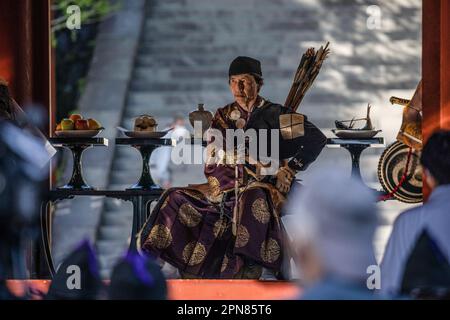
x,y
140,214
77,181
140,207
137,207
145,182
44,269
146,207
355,153
143,212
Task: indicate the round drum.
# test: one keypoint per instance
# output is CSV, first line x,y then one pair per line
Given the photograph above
x,y
392,165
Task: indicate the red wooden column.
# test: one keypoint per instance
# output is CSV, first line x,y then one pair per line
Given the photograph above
x,y
25,50
445,64
25,62
435,67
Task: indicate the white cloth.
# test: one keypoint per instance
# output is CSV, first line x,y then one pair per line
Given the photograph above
x,y
435,217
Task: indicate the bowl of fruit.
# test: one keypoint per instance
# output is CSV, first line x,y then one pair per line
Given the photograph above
x,y
77,126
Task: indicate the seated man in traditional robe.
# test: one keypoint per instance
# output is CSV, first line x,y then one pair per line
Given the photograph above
x,y
195,228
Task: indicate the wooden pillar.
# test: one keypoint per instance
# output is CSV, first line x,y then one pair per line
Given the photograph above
x,y
436,66
25,50
445,64
25,62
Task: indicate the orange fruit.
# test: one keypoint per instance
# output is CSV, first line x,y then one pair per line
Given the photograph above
x,y
74,117
94,124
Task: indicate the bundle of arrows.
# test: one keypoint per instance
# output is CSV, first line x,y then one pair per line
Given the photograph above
x,y
306,73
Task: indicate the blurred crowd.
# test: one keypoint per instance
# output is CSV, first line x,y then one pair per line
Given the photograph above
x,y
332,223
329,226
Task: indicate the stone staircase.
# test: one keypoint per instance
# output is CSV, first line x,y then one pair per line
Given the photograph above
x,y
187,45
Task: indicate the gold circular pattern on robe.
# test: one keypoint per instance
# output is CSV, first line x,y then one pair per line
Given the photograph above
x,y
242,237
220,227
166,201
224,264
240,123
189,216
194,253
160,236
235,114
260,210
270,251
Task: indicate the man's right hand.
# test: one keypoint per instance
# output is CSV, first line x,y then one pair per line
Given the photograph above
x,y
285,176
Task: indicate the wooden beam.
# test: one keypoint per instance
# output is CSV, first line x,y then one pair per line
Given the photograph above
x,y
445,65
435,69
431,72
197,289
25,50
436,66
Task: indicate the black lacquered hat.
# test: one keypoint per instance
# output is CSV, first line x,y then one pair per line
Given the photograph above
x,y
242,65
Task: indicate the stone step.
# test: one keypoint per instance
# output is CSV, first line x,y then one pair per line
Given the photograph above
x,y
145,102
115,219
113,232
155,86
193,6
198,50
169,61
109,248
126,177
114,253
132,163
180,37
281,65
113,204
225,10
199,12
213,5
107,264
234,25
380,76
124,210
203,73
380,84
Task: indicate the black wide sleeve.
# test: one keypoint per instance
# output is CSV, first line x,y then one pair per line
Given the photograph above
x,y
303,142
308,147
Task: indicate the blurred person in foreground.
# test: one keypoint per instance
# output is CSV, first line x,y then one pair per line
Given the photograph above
x,y
137,277
78,276
331,223
33,121
23,171
422,227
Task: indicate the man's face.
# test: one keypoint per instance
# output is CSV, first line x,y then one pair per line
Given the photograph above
x,y
243,87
